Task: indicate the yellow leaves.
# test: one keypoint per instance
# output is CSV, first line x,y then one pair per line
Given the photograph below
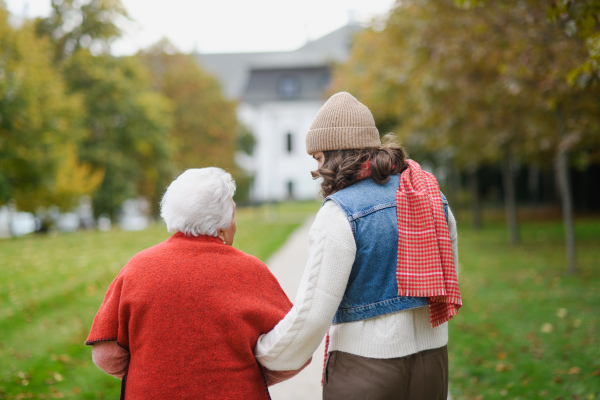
x,y
75,177
23,378
71,180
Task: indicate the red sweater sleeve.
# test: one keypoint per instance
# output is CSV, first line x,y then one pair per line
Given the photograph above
x,y
111,358
110,323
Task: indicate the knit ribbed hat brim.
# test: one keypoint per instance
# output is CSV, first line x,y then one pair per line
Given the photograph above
x,y
350,137
342,123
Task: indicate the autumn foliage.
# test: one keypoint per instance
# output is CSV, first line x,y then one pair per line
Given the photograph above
x,y
75,120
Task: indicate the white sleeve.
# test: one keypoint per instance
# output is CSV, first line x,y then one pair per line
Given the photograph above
x,y
453,238
331,253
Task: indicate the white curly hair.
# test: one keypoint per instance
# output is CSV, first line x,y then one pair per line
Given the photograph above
x,y
199,202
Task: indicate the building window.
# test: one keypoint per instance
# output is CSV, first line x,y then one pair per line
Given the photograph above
x,y
290,190
289,87
289,142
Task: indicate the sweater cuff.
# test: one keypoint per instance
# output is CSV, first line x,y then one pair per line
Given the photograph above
x,y
111,358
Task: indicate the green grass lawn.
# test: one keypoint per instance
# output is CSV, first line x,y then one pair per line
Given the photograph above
x,y
52,286
526,330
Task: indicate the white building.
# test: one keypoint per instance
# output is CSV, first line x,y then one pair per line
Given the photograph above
x,y
279,95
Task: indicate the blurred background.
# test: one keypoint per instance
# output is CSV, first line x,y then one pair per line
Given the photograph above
x,y
104,102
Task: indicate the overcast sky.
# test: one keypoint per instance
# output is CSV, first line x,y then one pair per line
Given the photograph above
x,y
216,26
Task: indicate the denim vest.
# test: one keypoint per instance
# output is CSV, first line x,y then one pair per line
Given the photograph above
x,y
372,289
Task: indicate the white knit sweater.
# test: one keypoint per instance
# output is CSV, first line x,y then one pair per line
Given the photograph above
x,y
331,253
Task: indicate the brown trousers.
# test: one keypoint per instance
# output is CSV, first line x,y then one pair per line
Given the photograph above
x,y
421,376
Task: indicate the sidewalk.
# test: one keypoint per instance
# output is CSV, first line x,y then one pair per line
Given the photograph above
x,y
287,264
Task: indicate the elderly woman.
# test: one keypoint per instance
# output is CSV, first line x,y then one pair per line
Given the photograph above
x,y
182,318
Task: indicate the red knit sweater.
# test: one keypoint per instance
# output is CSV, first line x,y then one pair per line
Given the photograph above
x,y
190,311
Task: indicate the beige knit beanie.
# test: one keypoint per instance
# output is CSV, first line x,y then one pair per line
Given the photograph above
x,y
342,123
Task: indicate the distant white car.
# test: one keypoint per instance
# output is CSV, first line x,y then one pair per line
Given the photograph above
x,y
68,222
22,223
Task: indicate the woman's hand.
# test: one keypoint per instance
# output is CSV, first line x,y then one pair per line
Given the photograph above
x,y
275,377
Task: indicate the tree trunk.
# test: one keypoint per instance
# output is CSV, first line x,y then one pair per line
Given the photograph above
x,y
510,203
476,217
566,198
533,183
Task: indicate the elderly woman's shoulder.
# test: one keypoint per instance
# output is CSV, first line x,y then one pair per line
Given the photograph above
x,y
248,260
161,255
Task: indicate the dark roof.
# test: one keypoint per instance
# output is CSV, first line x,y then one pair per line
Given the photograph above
x,y
233,69
288,84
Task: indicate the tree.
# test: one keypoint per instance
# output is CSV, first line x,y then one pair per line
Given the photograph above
x,y
431,78
477,86
205,128
39,127
580,19
125,122
127,127
76,24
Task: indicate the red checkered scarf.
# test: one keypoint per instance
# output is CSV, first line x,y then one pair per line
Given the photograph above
x,y
425,266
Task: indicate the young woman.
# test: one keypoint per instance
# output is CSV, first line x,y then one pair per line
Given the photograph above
x,y
381,276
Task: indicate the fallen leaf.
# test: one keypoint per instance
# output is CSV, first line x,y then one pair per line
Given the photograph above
x,y
64,358
561,312
547,328
502,356
500,367
58,377
574,370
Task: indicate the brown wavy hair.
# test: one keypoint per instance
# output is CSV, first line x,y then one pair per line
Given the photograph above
x,y
341,167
